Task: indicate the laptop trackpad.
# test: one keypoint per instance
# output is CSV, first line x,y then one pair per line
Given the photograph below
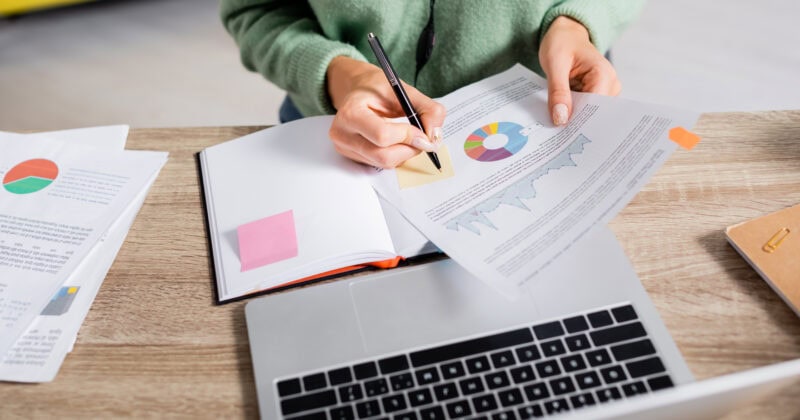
x,y
431,303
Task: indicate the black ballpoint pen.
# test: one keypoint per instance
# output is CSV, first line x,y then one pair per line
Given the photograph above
x,y
397,87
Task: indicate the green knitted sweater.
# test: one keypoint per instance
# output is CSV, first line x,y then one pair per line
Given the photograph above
x,y
291,42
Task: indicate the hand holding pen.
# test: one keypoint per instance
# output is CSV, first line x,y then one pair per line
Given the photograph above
x,y
365,102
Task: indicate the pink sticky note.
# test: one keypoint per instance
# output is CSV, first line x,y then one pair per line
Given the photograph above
x,y
267,240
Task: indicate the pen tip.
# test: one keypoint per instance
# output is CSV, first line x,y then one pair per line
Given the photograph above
x,y
370,35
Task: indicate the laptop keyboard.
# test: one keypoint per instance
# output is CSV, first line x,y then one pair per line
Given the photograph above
x,y
578,361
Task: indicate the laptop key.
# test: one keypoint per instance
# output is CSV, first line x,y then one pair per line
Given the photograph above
x,y
613,374
633,350
308,402
394,403
548,368
470,347
510,397
432,413
598,357
582,400
522,374
573,363
311,416
536,391
576,324
340,376
393,364
401,381
459,409
502,359
445,391
600,319
553,348
505,415
588,380
471,385
645,367
365,370
484,403
289,387
348,393
624,313
660,382
314,382
478,364
608,394
556,406
376,387
528,353
561,386
427,376
577,342
497,380
634,388
368,409
405,416
618,333
548,330
530,412
420,397
452,370
342,413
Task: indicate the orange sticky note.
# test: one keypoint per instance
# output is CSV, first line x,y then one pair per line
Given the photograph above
x,y
684,137
267,240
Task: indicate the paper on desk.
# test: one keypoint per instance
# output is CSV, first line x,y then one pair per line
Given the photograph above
x,y
524,191
37,354
49,225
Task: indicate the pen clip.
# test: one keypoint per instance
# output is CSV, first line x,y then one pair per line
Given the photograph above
x,y
775,241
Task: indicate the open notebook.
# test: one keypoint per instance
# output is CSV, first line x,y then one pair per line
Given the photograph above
x,y
285,208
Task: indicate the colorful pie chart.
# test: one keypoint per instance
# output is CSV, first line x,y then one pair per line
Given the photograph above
x,y
476,149
30,176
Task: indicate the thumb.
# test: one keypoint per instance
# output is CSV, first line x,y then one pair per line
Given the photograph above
x,y
559,97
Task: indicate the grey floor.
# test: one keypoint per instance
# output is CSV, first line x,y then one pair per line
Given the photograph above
x,y
156,63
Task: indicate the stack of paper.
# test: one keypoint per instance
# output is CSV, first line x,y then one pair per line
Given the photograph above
x,y
67,200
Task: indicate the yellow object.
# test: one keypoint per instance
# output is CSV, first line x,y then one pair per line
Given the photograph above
x,y
13,7
419,170
72,290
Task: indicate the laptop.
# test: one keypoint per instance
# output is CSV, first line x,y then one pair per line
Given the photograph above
x,y
431,341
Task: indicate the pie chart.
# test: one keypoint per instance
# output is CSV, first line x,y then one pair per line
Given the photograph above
x,y
30,176
475,147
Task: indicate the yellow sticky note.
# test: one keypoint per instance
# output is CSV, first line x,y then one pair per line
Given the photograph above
x,y
419,170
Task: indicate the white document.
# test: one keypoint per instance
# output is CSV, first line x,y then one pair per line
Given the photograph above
x,y
524,191
37,355
57,200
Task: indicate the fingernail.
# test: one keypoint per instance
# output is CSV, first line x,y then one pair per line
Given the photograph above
x,y
437,135
560,114
423,144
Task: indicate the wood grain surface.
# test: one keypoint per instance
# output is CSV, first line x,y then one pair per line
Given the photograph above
x,y
155,345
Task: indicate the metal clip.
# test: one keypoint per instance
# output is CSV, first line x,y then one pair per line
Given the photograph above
x,y
775,241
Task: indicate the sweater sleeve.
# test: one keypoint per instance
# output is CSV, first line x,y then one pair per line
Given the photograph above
x,y
604,19
282,40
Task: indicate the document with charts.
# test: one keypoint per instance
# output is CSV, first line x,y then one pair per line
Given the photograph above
x,y
57,202
518,191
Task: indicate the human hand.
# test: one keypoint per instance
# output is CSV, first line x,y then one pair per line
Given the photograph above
x,y
569,60
364,101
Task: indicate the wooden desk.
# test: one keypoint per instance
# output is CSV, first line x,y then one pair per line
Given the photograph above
x,y
154,343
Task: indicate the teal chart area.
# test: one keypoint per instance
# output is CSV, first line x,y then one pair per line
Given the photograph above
x,y
514,194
